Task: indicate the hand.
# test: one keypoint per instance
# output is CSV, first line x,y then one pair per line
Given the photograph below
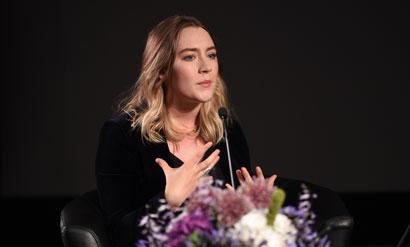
x,y
244,177
182,181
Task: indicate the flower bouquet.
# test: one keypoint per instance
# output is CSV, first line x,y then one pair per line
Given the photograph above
x,y
252,215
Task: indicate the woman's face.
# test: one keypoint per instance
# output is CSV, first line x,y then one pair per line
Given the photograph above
x,y
195,68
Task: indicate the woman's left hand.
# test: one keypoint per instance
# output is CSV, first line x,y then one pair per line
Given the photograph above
x,y
244,177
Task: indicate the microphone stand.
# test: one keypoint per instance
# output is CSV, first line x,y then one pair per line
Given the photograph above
x,y
222,114
229,155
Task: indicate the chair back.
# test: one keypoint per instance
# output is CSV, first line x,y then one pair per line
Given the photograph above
x,y
82,222
332,218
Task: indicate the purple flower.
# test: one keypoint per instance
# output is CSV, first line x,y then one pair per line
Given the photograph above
x,y
204,198
303,219
210,213
197,220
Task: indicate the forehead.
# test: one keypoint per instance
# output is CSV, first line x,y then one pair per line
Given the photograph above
x,y
194,37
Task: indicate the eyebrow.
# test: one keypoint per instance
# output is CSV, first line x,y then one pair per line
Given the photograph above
x,y
196,49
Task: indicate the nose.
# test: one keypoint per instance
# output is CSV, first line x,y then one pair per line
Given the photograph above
x,y
204,66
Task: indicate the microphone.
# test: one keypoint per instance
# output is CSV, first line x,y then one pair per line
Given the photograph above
x,y
223,114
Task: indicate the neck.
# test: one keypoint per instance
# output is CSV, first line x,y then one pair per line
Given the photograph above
x,y
183,115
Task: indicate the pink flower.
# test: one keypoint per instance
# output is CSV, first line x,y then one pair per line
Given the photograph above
x,y
258,193
231,206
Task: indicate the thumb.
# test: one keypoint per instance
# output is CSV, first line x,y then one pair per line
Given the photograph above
x,y
163,164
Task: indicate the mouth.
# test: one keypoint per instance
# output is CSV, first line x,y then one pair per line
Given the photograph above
x,y
206,83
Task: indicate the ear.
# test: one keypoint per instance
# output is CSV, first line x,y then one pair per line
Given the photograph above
x,y
164,79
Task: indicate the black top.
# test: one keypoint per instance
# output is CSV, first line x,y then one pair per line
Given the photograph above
x,y
128,177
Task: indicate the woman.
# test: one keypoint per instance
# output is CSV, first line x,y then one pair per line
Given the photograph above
x,y
169,135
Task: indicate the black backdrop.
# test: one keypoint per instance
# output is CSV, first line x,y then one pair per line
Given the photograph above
x,y
325,83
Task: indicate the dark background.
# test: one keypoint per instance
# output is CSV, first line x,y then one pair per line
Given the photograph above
x,y
320,90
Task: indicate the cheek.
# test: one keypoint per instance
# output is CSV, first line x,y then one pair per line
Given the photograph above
x,y
179,70
183,75
182,78
215,72
216,67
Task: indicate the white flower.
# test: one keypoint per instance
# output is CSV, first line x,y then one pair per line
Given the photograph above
x,y
254,226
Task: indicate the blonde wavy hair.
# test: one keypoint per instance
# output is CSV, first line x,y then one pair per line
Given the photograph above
x,y
146,101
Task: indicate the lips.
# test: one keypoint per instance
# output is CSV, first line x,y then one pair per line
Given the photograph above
x,y
206,83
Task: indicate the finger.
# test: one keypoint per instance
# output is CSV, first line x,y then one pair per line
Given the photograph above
x,y
163,164
211,164
259,173
214,162
202,151
208,161
229,187
271,180
246,175
206,179
239,176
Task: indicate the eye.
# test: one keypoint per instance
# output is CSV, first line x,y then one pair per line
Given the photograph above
x,y
188,58
212,55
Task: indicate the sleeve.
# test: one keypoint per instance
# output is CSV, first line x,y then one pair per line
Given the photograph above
x,y
119,179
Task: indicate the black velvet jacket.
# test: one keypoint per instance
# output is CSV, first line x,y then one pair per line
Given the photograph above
x,y
128,177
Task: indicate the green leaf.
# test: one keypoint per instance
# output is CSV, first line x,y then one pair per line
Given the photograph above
x,y
278,198
194,239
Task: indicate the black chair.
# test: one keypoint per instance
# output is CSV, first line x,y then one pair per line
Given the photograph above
x,y
333,217
82,223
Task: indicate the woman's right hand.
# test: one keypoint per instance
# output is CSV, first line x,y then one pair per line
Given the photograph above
x,y
182,181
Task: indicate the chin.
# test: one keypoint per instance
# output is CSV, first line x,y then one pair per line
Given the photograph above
x,y
204,98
